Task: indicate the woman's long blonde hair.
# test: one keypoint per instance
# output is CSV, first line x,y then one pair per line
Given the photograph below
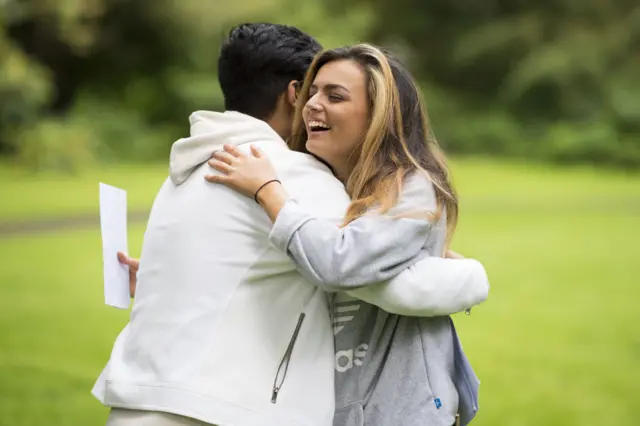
x,y
398,141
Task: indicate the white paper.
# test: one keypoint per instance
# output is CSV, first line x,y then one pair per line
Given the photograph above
x,y
113,225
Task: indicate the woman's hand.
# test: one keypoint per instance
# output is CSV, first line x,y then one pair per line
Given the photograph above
x,y
248,174
241,172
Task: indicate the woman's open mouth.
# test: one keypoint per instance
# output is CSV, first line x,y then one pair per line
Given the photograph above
x,y
318,126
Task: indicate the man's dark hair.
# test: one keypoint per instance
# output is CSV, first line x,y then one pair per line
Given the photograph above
x,y
257,62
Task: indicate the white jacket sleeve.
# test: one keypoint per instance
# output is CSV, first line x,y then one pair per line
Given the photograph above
x,y
434,286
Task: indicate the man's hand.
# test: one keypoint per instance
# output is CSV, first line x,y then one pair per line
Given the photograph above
x,y
134,265
450,254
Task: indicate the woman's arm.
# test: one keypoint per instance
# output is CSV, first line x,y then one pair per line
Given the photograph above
x,y
368,250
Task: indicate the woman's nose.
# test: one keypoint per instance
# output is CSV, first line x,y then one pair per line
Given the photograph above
x,y
313,104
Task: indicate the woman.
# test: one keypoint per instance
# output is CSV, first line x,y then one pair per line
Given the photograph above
x,y
360,112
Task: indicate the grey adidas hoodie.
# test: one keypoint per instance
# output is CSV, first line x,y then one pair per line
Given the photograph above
x,y
391,370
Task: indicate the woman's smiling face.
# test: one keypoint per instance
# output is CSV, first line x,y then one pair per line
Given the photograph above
x,y
336,116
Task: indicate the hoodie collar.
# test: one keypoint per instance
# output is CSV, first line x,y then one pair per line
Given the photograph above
x,y
209,132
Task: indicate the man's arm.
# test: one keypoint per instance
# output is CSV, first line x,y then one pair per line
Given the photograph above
x,y
434,286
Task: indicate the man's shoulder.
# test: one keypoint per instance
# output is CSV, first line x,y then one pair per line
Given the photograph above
x,y
276,150
296,164
315,187
306,178
305,167
302,164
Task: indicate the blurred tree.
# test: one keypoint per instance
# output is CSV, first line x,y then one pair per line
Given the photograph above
x,y
554,79
25,88
125,73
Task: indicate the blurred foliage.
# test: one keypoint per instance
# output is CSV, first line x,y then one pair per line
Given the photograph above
x,y
85,80
551,79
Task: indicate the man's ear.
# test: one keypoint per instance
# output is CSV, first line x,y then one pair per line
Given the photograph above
x,y
292,92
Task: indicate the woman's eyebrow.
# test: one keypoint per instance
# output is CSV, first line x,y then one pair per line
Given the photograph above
x,y
330,86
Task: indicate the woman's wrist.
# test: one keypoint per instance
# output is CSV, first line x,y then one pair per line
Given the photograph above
x,y
272,197
267,183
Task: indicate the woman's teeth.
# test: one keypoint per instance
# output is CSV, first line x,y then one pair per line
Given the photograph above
x,y
318,125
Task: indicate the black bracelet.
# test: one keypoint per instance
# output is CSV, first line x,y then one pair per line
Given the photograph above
x,y
255,196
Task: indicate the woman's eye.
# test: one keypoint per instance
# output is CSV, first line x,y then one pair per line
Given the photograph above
x,y
335,98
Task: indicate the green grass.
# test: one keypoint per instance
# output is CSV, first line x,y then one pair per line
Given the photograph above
x,y
26,196
557,343
56,332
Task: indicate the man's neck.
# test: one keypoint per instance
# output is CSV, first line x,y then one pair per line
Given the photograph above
x,y
281,129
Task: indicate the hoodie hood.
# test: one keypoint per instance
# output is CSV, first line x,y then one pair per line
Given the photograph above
x,y
209,132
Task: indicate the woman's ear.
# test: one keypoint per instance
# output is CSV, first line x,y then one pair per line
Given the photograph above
x,y
292,92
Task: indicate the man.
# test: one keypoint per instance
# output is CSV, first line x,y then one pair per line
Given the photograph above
x,y
224,330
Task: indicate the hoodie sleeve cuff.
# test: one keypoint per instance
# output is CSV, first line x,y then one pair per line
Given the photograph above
x,y
288,221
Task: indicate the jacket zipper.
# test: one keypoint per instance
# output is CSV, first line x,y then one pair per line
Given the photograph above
x,y
284,363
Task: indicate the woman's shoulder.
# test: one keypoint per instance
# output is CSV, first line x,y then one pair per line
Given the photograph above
x,y
417,194
417,184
